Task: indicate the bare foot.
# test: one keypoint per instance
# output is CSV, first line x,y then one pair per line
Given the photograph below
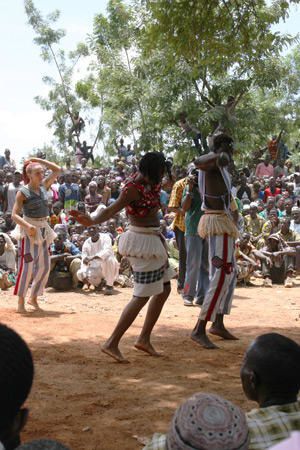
x,y
203,340
223,333
147,348
21,310
114,353
34,304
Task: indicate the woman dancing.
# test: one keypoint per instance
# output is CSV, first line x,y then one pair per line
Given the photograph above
x,y
33,231
144,246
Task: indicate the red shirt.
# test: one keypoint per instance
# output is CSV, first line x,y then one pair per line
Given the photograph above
x,y
268,193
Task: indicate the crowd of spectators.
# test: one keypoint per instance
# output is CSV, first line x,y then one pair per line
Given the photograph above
x,y
267,195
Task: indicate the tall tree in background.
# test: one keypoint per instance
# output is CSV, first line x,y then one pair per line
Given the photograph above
x,y
154,61
62,100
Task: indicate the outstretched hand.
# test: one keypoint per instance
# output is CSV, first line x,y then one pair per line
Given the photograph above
x,y
82,218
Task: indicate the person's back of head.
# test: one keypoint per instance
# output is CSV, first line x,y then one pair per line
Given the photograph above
x,y
43,444
16,377
208,422
271,370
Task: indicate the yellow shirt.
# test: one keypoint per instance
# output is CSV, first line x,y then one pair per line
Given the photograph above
x,y
175,202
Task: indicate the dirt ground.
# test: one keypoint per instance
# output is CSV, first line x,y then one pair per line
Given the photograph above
x,y
83,398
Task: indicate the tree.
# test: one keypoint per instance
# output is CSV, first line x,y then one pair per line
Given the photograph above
x,y
62,99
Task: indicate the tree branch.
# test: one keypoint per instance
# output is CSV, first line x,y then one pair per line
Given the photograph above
x,y
202,96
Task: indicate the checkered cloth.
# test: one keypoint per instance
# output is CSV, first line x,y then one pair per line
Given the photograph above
x,y
158,442
149,277
270,425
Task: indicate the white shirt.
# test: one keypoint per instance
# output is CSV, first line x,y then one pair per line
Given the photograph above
x,y
101,248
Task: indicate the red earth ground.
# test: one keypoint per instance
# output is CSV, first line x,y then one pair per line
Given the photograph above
x,y
83,398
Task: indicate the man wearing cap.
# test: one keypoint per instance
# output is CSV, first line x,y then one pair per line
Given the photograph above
x,y
10,192
206,422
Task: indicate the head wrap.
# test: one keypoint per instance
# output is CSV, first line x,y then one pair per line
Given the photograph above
x,y
208,422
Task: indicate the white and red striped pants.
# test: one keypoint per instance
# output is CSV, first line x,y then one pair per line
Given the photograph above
x,y
33,265
222,277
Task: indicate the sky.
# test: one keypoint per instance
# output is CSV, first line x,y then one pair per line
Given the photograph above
x,y
22,122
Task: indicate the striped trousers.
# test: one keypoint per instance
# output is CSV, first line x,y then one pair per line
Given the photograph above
x,y
33,265
222,277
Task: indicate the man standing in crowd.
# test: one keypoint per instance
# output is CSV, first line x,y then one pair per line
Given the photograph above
x,y
69,193
196,277
10,192
265,168
178,226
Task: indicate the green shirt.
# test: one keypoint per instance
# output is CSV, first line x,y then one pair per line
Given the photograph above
x,y
193,215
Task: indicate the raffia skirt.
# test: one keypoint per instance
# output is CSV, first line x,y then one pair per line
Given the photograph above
x,y
145,249
214,223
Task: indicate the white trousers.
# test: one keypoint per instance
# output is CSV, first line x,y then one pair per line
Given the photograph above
x,y
99,269
222,277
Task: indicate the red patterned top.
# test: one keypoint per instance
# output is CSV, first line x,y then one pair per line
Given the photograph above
x,y
150,198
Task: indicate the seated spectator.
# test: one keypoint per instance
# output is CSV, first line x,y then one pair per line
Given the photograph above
x,y
272,190
115,190
269,206
7,262
16,372
206,422
271,226
244,191
7,224
290,192
245,259
285,233
103,189
270,376
278,262
280,170
56,214
65,262
264,168
254,224
98,262
295,222
280,206
112,229
93,199
43,444
257,193
288,205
